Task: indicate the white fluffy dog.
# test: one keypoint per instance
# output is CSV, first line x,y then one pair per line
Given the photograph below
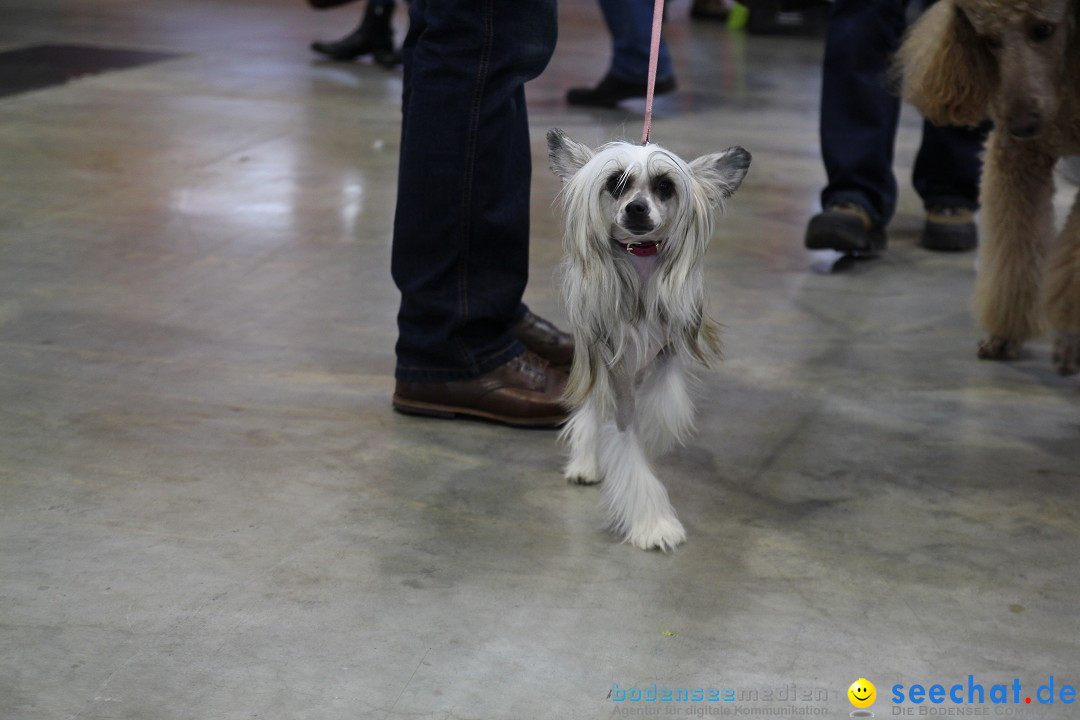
x,y
638,220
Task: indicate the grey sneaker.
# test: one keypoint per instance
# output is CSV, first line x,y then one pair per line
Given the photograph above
x,y
847,228
950,229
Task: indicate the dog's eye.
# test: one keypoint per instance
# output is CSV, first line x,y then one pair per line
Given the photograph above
x,y
994,43
1043,31
616,185
664,188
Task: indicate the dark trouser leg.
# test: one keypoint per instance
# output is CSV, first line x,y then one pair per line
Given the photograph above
x,y
630,24
948,167
461,232
859,113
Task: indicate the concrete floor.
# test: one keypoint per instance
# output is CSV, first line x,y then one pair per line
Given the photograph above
x,y
208,510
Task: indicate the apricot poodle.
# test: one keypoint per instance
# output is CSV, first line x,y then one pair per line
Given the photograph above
x,y
1016,62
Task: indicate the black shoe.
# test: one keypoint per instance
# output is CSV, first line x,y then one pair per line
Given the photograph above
x,y
611,91
711,10
950,229
847,228
325,4
374,37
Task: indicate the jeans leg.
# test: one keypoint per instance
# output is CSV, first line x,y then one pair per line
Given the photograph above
x,y
461,230
859,112
630,25
948,166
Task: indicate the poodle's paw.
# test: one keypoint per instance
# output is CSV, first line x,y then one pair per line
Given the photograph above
x,y
580,473
1067,353
665,533
999,348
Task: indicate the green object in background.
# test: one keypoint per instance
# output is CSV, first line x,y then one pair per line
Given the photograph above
x,y
740,15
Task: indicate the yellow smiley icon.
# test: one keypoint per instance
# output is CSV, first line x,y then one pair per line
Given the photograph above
x,y
862,693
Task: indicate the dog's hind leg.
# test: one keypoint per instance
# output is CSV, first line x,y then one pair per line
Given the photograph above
x,y
1018,225
582,433
665,410
1063,294
636,500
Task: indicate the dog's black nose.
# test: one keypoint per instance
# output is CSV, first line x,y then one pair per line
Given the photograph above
x,y
637,209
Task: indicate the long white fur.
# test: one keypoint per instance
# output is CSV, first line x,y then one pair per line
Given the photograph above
x,y
638,323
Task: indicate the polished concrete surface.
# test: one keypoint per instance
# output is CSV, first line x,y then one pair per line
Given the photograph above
x,y
209,511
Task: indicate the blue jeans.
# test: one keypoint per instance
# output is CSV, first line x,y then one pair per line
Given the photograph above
x,y
860,112
630,25
460,254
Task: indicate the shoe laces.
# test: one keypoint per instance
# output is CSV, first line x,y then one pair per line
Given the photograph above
x,y
532,365
851,208
843,205
950,214
949,210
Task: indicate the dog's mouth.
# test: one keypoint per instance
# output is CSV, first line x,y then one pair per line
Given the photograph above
x,y
646,248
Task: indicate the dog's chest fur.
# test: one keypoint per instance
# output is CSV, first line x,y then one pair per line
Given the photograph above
x,y
647,333
645,266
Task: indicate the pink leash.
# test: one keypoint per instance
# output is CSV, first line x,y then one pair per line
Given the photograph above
x,y
654,60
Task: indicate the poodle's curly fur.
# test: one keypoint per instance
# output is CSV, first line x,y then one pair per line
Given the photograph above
x,y
1016,62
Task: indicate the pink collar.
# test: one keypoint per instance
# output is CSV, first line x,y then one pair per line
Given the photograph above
x,y
643,249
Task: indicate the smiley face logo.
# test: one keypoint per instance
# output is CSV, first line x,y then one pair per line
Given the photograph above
x,y
862,693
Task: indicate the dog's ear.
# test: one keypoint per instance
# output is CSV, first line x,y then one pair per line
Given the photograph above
x,y
946,69
567,156
722,172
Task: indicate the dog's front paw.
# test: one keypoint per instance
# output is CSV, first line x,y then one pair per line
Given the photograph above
x,y
1067,353
581,473
664,534
999,348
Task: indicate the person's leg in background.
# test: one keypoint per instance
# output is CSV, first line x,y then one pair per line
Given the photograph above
x,y
859,117
461,233
946,176
374,36
629,23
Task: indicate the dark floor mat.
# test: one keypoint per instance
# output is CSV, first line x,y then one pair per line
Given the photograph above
x,y
43,66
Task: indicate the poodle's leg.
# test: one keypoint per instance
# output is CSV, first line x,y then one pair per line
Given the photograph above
x,y
1067,353
1018,225
1063,294
636,501
582,433
665,409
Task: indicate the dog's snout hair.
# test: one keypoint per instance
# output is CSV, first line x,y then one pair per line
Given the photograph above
x,y
1030,69
639,216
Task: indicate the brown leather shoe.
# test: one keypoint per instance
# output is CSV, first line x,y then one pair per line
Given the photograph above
x,y
544,339
525,392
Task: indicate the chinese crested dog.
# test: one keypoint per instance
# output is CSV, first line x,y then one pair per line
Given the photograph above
x,y
638,220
